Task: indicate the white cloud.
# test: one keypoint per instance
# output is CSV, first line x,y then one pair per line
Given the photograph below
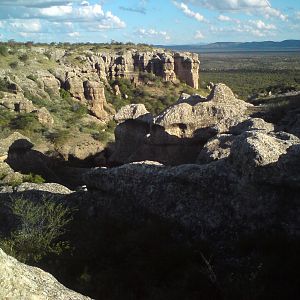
x,y
152,34
56,11
199,35
85,13
262,25
24,34
270,12
37,3
25,25
233,4
74,34
110,21
224,18
188,12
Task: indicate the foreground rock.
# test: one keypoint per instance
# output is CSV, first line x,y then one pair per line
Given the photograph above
x,y
177,135
241,187
19,281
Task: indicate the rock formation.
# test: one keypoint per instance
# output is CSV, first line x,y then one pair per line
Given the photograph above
x,y
177,134
187,68
240,186
19,281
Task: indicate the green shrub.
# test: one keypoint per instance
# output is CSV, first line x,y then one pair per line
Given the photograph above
x,y
24,57
32,77
3,85
59,137
64,94
39,227
33,178
26,122
3,50
13,64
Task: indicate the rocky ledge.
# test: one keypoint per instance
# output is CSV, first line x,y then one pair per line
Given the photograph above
x,y
19,281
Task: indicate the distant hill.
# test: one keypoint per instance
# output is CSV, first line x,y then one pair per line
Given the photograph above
x,y
287,45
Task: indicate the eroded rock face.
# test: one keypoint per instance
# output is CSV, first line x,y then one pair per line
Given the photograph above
x,y
131,133
241,185
178,134
187,68
170,66
44,117
95,96
19,281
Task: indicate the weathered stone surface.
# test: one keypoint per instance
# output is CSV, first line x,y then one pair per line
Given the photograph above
x,y
131,63
48,83
53,188
252,150
243,190
252,124
19,281
16,102
187,68
95,96
9,143
44,117
178,134
133,112
80,148
216,148
74,85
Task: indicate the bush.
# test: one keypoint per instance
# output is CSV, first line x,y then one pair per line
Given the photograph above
x,y
24,57
32,77
59,137
13,64
3,50
33,178
26,122
64,94
39,227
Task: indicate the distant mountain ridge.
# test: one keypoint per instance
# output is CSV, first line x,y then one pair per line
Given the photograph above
x,y
287,45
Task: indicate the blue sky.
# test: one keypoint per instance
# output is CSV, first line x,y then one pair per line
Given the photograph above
x,y
149,21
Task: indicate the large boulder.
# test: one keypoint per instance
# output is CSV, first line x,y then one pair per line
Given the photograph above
x,y
133,112
241,186
14,141
74,85
16,102
19,281
44,116
177,134
131,133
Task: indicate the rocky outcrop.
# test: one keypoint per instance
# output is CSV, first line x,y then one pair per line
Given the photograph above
x,y
187,68
96,101
17,103
19,281
177,134
130,64
14,141
54,188
79,148
44,116
240,186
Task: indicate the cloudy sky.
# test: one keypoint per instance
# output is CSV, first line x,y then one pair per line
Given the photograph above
x,y
149,21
